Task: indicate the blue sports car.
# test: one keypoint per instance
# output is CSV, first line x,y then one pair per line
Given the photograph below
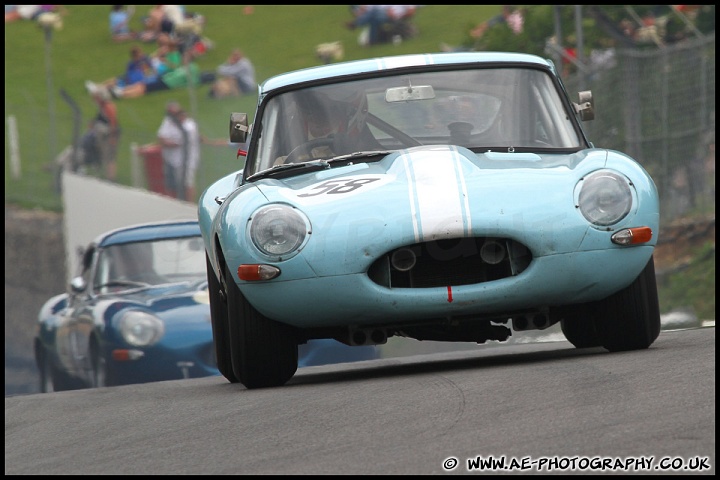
x,y
446,197
138,312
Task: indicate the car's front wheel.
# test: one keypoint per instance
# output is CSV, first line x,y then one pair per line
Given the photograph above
x,y
626,320
219,320
51,379
630,318
98,368
264,352
46,380
580,326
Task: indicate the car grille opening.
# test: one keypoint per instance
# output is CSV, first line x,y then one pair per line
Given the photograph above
x,y
458,261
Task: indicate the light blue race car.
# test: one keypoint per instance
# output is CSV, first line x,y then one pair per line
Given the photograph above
x,y
446,197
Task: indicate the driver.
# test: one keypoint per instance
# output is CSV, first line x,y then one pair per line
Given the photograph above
x,y
323,121
340,122
134,262
464,113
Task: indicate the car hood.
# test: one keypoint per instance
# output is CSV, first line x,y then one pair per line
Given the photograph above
x,y
435,192
361,211
180,305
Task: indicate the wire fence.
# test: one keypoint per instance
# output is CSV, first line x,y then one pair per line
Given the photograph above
x,y
28,116
658,106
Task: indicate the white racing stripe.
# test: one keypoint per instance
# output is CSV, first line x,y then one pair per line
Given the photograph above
x,y
438,194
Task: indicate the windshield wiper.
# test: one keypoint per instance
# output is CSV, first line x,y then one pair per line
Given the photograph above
x,y
288,169
283,170
365,154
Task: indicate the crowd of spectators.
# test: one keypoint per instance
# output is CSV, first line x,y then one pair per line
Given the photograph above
x,y
619,26
179,40
171,65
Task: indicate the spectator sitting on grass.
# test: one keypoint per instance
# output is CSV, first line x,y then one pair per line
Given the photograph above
x,y
177,78
167,57
137,69
235,77
120,23
158,21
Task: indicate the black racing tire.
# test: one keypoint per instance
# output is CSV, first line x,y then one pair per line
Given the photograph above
x,y
580,326
98,368
47,385
219,321
51,379
264,352
630,318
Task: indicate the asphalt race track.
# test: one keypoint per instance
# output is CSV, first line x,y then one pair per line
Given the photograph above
x,y
541,407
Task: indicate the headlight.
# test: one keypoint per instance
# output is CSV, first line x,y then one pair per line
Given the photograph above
x,y
141,329
604,197
278,230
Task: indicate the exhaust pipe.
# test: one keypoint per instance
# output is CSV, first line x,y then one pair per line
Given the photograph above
x,y
538,321
365,336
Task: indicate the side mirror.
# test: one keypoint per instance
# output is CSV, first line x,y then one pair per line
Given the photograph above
x,y
586,107
238,127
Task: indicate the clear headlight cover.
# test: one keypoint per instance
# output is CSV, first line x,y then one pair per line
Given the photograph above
x,y
278,230
605,197
141,329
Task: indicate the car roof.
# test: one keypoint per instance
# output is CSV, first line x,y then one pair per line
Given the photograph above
x,y
149,231
397,62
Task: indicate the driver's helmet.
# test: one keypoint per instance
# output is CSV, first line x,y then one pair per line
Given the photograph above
x,y
136,259
354,104
333,111
457,108
319,113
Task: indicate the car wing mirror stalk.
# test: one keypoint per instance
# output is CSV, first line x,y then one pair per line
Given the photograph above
x,y
586,107
238,127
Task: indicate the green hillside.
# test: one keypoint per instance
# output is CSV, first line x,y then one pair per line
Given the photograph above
x,y
277,38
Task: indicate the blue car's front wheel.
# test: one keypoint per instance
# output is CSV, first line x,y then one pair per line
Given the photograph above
x,y
47,384
264,352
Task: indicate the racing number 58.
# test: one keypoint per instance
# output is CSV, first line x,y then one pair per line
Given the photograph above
x,y
338,186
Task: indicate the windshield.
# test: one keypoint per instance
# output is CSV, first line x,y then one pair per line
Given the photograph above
x,y
150,263
481,109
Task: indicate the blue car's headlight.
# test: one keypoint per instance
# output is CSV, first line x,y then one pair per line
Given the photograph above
x,y
141,329
604,197
278,230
